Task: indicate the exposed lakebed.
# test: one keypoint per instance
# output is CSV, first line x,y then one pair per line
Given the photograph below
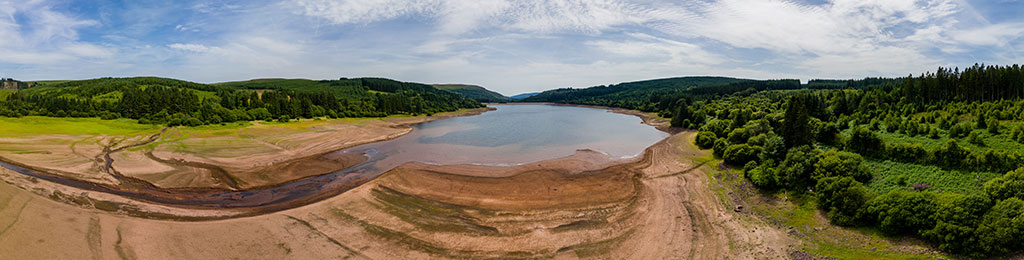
x,y
512,134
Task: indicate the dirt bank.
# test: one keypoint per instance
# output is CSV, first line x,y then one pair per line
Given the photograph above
x,y
656,207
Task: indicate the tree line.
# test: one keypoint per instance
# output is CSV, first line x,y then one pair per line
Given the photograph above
x,y
815,142
174,102
815,139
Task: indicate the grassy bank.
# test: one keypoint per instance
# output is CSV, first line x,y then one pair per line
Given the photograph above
x,y
797,214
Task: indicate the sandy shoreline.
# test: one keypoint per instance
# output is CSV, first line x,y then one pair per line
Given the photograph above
x,y
149,201
656,207
163,203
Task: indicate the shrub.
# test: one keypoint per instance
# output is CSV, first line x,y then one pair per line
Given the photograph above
x,y
705,139
764,176
975,138
1002,229
950,155
192,121
719,148
842,198
738,136
864,141
774,148
840,164
960,130
1007,186
906,152
901,212
739,154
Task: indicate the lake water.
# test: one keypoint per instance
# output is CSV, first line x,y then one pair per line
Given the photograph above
x,y
512,134
515,134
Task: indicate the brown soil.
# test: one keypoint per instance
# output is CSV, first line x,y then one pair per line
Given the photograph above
x,y
659,206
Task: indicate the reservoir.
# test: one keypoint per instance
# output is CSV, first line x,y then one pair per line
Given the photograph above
x,y
515,134
509,135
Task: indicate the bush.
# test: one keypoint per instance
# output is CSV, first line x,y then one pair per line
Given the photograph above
x,y
1001,230
864,141
951,155
774,148
901,212
705,139
956,216
842,198
192,121
260,114
993,126
757,140
284,118
719,148
906,152
738,136
960,130
840,164
764,176
975,138
739,154
799,164
1007,186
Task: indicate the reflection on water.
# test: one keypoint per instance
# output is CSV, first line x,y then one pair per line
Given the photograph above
x,y
514,134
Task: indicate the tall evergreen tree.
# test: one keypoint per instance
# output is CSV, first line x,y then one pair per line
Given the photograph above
x,y
796,129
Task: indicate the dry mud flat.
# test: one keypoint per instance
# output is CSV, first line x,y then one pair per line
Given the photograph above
x,y
657,207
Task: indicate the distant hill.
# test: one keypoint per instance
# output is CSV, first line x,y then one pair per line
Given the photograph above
x,y
177,102
475,92
524,95
657,94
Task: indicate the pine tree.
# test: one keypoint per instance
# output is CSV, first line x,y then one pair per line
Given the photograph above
x,y
796,130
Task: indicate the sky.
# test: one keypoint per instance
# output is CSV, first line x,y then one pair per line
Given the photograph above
x,y
510,46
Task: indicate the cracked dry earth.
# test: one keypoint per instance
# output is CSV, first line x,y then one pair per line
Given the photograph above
x,y
657,207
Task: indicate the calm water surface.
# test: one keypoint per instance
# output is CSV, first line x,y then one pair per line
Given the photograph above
x,y
515,134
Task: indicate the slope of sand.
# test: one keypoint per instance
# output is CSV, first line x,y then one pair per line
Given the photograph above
x,y
219,157
657,207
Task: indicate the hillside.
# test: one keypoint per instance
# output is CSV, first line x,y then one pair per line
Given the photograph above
x,y
177,102
658,94
475,92
524,95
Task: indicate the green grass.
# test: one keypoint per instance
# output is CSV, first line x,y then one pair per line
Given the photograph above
x,y
886,174
37,125
48,82
114,96
999,141
6,92
799,214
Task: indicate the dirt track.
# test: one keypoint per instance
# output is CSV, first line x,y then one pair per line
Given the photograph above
x,y
660,207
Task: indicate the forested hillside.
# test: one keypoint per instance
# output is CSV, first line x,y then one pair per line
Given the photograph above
x,y
176,102
477,93
658,95
938,156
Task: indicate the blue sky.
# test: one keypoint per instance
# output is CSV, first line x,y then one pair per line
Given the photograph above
x,y
511,46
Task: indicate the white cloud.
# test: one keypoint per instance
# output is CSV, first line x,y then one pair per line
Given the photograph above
x,y
44,36
458,16
994,35
647,46
193,47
